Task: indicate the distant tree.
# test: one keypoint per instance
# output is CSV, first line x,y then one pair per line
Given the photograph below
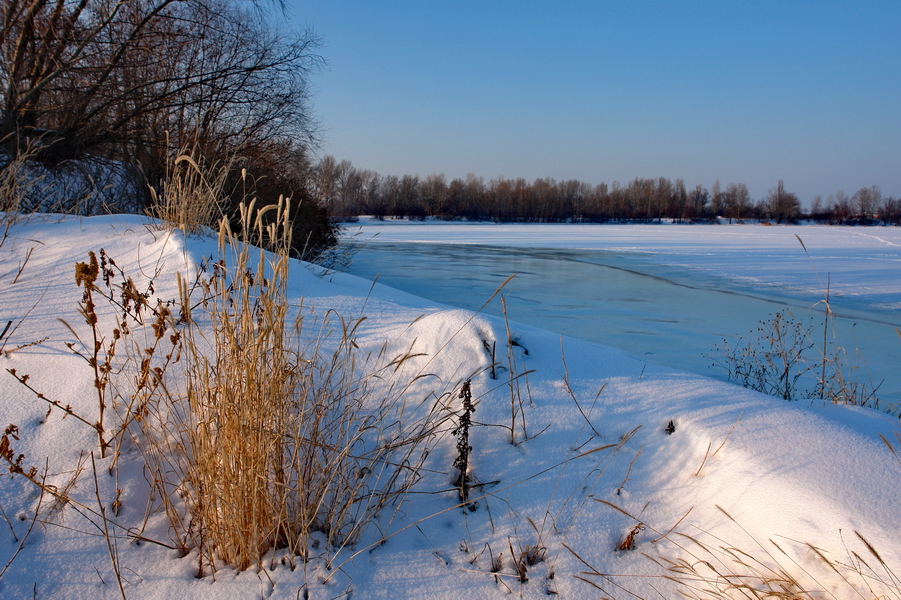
x,y
547,202
661,198
601,208
455,199
819,211
638,197
409,199
864,203
434,191
371,192
890,211
841,207
697,202
678,201
762,209
736,202
782,205
572,195
522,206
351,191
473,196
716,200
499,199
325,181
389,197
618,198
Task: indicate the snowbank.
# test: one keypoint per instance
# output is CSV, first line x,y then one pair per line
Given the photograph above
x,y
604,446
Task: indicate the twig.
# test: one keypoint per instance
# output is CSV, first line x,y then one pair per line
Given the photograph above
x,y
720,447
8,522
460,504
22,266
629,471
670,530
110,540
30,527
573,395
23,379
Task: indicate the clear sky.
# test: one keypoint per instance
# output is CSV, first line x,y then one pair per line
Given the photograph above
x,y
750,92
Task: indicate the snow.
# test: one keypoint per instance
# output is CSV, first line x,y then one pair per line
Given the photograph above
x,y
740,469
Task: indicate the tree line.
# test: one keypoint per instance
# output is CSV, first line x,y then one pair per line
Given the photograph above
x,y
140,81
348,192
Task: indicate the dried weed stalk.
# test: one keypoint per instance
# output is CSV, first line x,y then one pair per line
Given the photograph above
x,y
783,357
279,431
461,432
192,196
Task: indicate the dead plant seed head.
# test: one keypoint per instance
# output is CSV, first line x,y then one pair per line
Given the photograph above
x,y
86,273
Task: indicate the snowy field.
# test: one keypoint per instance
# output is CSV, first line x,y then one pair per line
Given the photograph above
x,y
609,451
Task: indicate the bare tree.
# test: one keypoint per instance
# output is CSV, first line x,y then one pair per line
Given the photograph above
x,y
434,191
841,207
736,202
121,78
352,184
890,211
500,199
547,200
409,202
697,202
716,200
816,206
865,201
678,201
782,205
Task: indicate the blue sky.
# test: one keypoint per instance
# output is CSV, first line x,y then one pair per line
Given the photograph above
x,y
750,92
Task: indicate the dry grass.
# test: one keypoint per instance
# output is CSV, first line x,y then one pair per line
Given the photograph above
x,y
783,358
517,381
279,431
721,569
706,566
193,193
774,361
16,180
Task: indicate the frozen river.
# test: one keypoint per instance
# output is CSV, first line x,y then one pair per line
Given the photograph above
x,y
664,314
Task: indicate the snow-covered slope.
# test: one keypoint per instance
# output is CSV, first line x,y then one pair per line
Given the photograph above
x,y
609,446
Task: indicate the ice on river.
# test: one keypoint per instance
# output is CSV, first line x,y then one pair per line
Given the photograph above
x,y
667,294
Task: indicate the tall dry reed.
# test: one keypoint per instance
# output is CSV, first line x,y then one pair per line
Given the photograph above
x,y
192,195
273,429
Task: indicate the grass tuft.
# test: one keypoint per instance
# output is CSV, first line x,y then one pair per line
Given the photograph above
x,y
280,431
192,195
